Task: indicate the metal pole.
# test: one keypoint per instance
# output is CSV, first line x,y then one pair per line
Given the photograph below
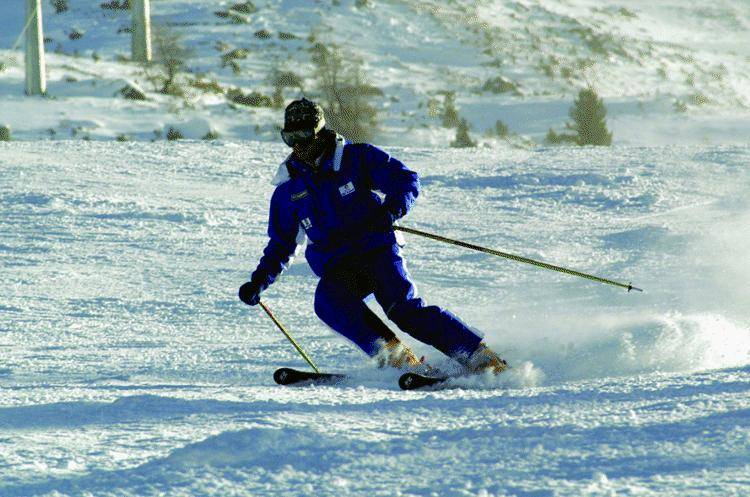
x,y
36,74
518,258
289,337
141,42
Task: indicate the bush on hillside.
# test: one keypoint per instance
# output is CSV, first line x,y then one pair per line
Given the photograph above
x,y
132,91
344,95
589,122
602,44
500,84
566,72
590,119
548,67
60,6
699,99
5,135
174,134
450,113
116,5
244,7
463,139
252,99
434,109
235,17
230,59
211,86
281,80
554,138
501,129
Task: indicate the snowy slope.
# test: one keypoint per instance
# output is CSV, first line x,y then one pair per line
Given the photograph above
x,y
129,368
671,72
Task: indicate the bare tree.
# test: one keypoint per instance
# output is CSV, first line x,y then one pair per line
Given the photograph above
x,y
170,56
345,95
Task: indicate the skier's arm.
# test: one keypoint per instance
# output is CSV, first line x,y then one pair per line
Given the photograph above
x,y
389,175
282,243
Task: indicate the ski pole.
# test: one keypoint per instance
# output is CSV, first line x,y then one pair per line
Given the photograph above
x,y
289,337
518,258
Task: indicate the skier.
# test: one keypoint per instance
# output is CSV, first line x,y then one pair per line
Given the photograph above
x,y
325,191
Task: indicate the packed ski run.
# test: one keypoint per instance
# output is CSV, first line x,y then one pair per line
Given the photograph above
x,y
130,367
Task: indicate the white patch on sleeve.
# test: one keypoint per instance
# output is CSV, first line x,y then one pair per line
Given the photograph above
x,y
339,153
301,241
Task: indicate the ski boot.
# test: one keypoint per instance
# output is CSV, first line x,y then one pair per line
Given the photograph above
x,y
484,359
395,354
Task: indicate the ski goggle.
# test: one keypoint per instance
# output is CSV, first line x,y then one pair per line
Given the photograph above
x,y
298,137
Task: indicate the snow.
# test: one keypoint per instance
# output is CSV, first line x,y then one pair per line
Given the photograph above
x,y
131,369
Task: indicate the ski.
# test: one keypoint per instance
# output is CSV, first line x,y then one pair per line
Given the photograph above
x,y
414,381
289,376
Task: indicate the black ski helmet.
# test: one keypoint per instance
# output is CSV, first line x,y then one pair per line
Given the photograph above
x,y
304,114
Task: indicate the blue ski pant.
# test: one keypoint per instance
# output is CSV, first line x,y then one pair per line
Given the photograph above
x,y
339,302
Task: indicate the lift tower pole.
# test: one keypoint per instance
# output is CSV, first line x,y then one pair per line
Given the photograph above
x,y
36,73
141,30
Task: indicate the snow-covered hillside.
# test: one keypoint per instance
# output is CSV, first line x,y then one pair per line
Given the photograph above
x,y
129,368
671,72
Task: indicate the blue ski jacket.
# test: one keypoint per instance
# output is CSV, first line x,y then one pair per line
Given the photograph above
x,y
331,207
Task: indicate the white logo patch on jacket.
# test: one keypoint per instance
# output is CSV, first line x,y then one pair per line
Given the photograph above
x,y
346,189
306,223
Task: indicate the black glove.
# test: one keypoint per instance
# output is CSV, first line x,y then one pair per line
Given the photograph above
x,y
250,292
381,221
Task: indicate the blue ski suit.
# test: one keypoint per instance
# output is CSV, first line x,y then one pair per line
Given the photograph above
x,y
330,207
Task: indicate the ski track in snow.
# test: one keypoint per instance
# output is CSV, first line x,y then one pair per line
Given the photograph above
x,y
129,368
